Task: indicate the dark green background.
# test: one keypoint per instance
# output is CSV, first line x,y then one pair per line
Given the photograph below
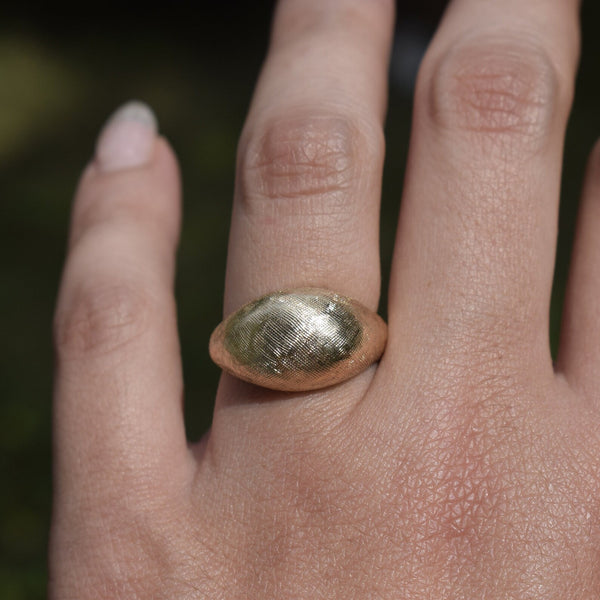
x,y
60,75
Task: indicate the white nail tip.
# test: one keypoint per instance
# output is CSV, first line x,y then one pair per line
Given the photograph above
x,y
127,140
135,111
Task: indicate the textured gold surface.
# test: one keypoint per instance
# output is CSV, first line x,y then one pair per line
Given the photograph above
x,y
298,340
284,333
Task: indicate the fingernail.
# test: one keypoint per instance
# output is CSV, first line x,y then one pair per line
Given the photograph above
x,y
127,139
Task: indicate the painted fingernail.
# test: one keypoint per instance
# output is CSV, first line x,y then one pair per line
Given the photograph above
x,y
127,139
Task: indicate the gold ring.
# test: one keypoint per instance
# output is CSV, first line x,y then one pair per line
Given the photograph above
x,y
299,340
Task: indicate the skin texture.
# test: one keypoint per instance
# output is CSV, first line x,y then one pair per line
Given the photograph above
x,y
465,465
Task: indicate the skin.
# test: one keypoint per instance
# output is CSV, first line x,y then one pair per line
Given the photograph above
x,y
465,465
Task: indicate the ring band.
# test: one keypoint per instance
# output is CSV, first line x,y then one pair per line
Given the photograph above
x,y
299,340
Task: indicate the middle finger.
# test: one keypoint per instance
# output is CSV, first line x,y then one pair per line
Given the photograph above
x,y
475,254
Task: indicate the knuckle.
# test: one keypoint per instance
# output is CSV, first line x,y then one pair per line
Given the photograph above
x,y
306,159
140,204
101,318
501,91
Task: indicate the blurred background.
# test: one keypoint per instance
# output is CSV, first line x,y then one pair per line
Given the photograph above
x,y
61,74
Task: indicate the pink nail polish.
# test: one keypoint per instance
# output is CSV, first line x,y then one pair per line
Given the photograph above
x,y
127,139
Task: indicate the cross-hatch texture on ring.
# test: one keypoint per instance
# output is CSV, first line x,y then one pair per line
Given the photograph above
x,y
284,334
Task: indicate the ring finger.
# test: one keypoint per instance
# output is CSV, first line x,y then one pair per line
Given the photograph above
x,y
306,208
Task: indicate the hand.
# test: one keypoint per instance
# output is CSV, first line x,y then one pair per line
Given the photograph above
x,y
464,465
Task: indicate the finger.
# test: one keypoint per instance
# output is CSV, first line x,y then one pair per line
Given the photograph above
x,y
117,408
475,254
310,159
579,352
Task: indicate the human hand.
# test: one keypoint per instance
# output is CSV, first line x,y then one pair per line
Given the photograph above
x,y
464,465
